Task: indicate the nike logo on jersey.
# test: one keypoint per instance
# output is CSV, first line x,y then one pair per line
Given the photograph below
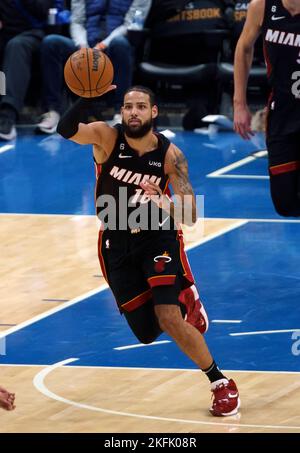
x,y
277,17
163,222
121,156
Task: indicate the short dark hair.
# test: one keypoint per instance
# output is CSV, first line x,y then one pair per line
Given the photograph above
x,y
143,89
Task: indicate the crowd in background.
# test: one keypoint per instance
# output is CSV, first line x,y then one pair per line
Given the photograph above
x,y
37,37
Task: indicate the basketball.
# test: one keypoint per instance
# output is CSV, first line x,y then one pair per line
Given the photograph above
x,y
88,72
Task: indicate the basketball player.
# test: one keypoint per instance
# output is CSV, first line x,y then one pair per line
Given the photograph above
x,y
146,268
279,22
7,399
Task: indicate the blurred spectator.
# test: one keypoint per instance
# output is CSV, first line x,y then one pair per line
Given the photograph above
x,y
184,34
94,23
21,31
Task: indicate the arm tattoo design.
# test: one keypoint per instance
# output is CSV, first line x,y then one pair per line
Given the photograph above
x,y
181,167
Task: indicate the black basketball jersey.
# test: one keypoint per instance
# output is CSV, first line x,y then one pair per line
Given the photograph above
x,y
118,180
281,32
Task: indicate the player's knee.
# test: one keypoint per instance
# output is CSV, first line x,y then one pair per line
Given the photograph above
x,y
168,324
146,338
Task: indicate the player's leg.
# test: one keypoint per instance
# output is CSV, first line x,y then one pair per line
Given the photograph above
x,y
195,311
127,282
162,265
284,170
226,396
143,322
189,296
188,338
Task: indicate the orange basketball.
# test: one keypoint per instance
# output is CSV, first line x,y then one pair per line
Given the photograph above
x,y
88,72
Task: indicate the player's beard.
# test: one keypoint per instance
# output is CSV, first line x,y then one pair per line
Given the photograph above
x,y
138,131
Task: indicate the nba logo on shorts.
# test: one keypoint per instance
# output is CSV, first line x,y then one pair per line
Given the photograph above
x,y
2,84
107,244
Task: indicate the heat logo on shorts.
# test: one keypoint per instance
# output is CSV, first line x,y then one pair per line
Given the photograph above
x,y
160,262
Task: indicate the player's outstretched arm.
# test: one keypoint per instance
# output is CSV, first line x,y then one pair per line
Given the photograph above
x,y
74,125
242,64
176,167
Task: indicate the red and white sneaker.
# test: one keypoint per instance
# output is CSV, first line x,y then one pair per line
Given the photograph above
x,y
226,399
196,314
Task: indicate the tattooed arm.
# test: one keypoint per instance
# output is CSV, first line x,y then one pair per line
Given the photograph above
x,y
176,167
184,208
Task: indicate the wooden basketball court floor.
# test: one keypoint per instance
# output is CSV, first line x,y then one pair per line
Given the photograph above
x,y
68,354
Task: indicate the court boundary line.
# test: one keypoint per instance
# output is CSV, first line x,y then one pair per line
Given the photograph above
x,y
72,216
222,172
194,370
263,332
38,382
52,311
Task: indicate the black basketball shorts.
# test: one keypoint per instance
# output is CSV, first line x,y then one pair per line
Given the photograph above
x,y
284,153
134,263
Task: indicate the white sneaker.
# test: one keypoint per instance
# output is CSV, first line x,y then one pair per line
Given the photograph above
x,y
117,118
49,122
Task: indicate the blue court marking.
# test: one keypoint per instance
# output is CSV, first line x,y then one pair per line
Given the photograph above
x,y
263,293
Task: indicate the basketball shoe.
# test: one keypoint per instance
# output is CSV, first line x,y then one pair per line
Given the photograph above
x,y
226,399
48,123
8,118
195,312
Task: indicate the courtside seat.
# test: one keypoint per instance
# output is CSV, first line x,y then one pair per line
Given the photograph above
x,y
182,69
257,74
177,74
182,58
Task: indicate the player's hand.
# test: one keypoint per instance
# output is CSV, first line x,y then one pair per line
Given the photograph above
x,y
7,399
151,188
242,121
110,88
154,191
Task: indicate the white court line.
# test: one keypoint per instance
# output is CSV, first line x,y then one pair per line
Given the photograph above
x,y
141,345
240,176
99,367
105,286
261,332
39,384
50,312
237,164
30,214
209,237
6,148
72,217
225,321
255,220
275,220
